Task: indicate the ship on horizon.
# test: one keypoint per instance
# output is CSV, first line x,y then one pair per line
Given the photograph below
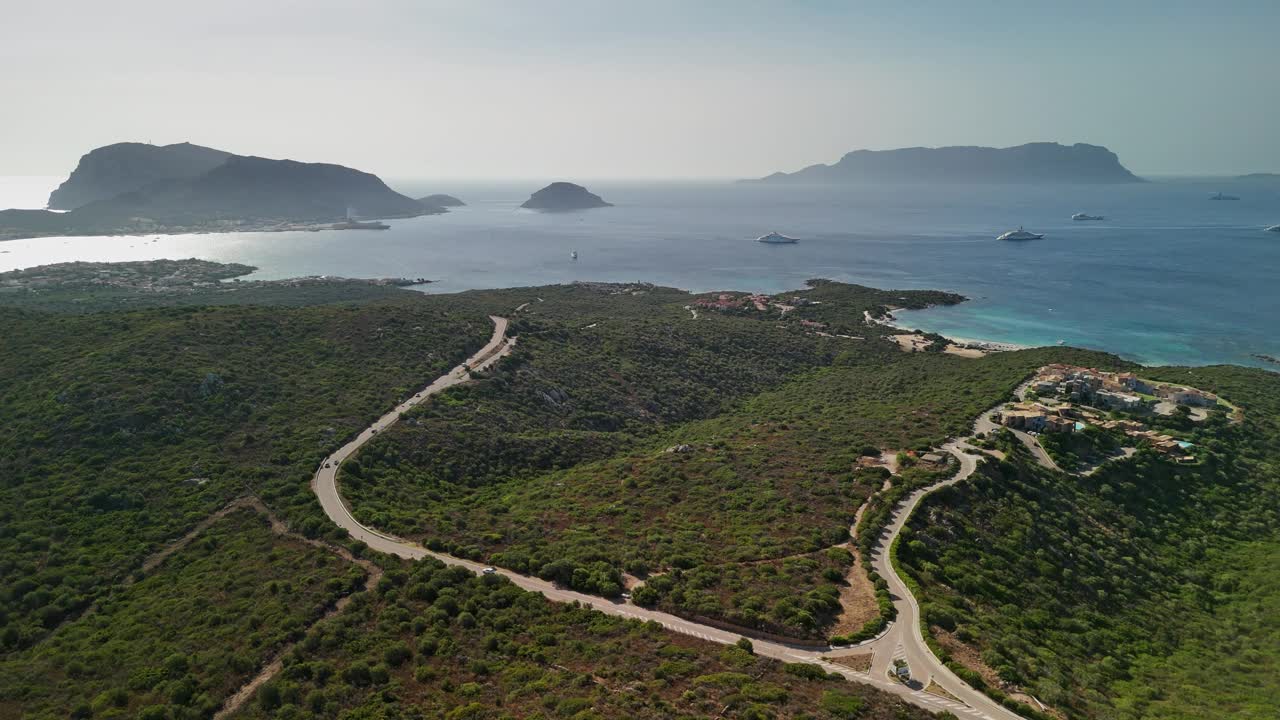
x,y
775,238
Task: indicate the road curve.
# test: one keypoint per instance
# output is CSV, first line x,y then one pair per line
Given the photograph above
x,y
325,486
905,639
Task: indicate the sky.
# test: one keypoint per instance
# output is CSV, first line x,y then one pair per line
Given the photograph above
x,y
655,89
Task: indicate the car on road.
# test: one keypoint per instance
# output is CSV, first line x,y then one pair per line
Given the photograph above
x,y
489,571
626,596
327,464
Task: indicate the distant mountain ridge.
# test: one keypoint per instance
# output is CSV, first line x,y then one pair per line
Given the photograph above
x,y
1042,162
132,187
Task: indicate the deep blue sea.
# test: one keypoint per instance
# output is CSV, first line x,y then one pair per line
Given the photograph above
x,y
1170,277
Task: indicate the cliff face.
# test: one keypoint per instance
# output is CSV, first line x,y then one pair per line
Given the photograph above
x,y
1031,163
124,167
564,196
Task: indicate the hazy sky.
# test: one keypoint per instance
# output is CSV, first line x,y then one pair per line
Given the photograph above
x,y
643,88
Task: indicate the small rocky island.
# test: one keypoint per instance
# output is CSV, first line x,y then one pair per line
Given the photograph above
x,y
441,200
563,196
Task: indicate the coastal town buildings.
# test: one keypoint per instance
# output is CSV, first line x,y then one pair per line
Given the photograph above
x,y
1071,398
1188,396
1036,417
1114,391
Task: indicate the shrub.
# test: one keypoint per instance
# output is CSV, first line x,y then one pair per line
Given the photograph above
x,y
841,704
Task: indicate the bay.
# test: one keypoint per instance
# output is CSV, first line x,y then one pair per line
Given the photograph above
x,y
1170,277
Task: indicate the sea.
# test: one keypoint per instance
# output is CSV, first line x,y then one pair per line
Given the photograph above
x,y
1170,277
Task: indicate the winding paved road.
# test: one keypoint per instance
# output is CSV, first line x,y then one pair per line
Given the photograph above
x,y
905,639
905,632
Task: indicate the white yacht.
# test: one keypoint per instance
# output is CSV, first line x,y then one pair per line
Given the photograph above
x,y
774,238
1086,216
1020,234
573,254
1274,229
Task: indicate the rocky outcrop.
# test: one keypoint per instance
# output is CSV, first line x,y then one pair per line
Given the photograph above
x,y
561,196
1030,163
125,167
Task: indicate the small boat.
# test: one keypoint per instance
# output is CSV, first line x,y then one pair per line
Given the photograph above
x,y
1020,234
774,238
1220,196
573,254
1274,228
1085,216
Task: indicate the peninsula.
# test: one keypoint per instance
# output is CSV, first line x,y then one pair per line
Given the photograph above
x,y
98,286
132,188
562,196
1041,162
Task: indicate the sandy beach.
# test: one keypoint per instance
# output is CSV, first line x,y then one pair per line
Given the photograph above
x,y
911,341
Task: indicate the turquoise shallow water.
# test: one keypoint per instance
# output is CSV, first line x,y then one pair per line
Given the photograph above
x,y
1172,277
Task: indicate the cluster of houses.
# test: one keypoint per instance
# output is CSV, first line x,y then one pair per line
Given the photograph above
x,y
1166,444
1070,397
1054,416
731,301
1114,391
1037,417
727,301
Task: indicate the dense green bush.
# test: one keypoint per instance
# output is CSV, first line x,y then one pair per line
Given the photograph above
x,y
186,636
526,657
124,429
